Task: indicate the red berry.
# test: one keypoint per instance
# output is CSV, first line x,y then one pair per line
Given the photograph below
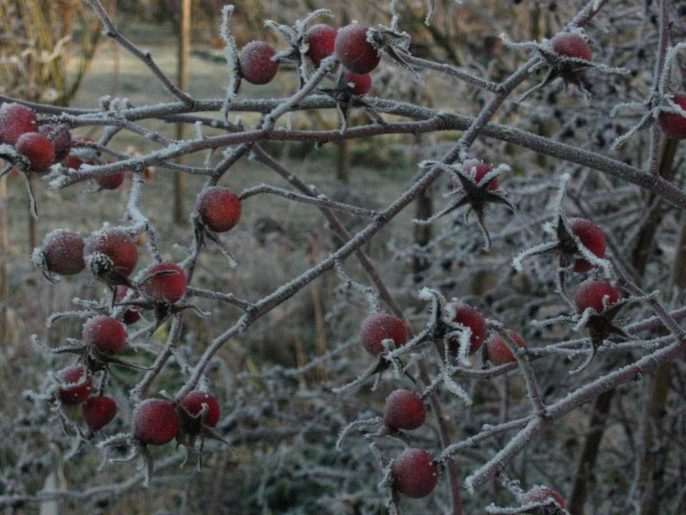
x,y
381,327
99,411
499,352
117,246
79,389
15,120
219,208
131,315
478,170
361,82
404,410
598,295
674,124
570,44
257,66
164,282
38,149
540,494
354,51
472,318
193,403
592,237
112,181
155,422
63,252
71,161
414,473
107,334
60,137
320,40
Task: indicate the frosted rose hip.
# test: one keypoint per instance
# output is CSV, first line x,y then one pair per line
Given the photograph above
x,y
131,315
674,124
257,66
598,295
15,120
321,40
354,51
60,137
38,149
570,44
404,410
155,422
99,411
219,208
79,389
478,170
63,252
381,327
414,473
112,181
361,82
193,403
117,246
499,352
592,237
164,282
107,334
542,494
475,321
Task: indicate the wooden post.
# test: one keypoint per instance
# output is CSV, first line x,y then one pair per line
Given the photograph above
x,y
4,259
182,79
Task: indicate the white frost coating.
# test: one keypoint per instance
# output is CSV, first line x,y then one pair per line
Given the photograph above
x,y
531,251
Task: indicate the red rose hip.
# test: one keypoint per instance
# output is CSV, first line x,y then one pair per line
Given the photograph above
x,y
219,208
108,335
131,315
99,411
193,403
38,149
357,83
477,170
60,137
15,120
320,40
63,252
414,473
592,237
354,51
377,328
164,282
117,246
674,124
475,321
112,181
404,410
155,422
543,494
256,63
570,44
597,295
74,389
499,352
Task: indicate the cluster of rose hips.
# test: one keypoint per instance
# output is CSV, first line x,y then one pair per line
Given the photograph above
x,y
415,472
576,54
42,145
258,64
112,256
